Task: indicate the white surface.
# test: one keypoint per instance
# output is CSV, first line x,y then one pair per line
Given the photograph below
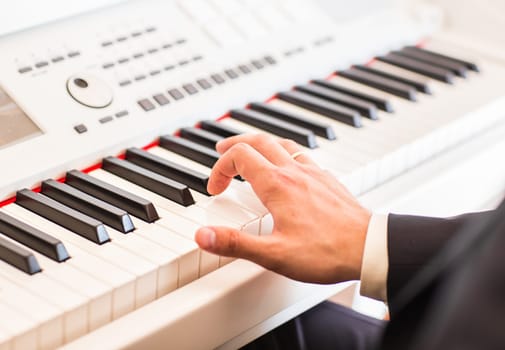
x,y
227,305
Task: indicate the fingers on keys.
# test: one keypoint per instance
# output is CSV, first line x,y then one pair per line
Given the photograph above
x,y
278,151
230,242
262,143
239,159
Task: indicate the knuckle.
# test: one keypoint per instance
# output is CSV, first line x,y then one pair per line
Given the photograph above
x,y
240,148
261,138
233,242
288,144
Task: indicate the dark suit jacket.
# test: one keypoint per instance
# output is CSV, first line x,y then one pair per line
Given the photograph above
x,y
446,282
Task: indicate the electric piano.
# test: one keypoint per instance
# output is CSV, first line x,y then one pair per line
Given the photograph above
x,y
109,113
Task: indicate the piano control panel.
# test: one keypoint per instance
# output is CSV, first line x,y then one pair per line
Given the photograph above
x,y
128,73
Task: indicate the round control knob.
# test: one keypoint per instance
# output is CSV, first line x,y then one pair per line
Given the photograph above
x,y
89,90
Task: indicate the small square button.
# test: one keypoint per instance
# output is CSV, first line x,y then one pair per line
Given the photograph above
x,y
204,84
105,119
257,64
244,69
190,89
121,114
218,79
231,74
41,64
25,70
176,94
146,105
270,60
161,99
81,128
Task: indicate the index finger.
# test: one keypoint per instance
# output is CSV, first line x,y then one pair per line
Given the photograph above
x,y
240,159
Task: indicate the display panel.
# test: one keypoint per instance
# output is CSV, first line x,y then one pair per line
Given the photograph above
x,y
15,125
23,14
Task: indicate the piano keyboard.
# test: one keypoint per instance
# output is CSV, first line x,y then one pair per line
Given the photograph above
x,y
80,253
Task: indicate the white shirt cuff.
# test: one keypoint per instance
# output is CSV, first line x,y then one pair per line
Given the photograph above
x,y
375,264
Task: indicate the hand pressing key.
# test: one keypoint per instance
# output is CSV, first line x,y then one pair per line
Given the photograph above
x,y
319,227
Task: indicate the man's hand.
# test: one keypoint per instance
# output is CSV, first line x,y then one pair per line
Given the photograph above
x,y
319,227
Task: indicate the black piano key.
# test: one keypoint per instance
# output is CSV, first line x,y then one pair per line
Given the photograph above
x,y
114,217
131,203
469,65
437,73
457,68
152,181
218,128
323,107
365,108
419,85
277,127
167,168
203,137
380,103
18,257
190,149
393,87
62,215
33,238
320,129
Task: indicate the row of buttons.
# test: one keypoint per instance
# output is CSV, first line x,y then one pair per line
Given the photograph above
x,y
124,38
140,55
81,128
155,72
147,105
42,64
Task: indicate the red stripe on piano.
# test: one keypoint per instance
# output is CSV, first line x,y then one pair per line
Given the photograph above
x,y
224,116
151,145
369,63
7,201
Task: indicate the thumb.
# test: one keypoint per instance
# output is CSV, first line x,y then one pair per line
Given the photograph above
x,y
230,242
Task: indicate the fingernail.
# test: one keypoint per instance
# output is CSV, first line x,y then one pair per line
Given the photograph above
x,y
207,238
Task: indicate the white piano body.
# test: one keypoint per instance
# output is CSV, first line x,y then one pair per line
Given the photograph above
x,y
133,50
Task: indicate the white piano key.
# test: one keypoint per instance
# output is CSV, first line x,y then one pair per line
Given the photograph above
x,y
381,137
193,213
185,248
48,318
208,262
121,283
164,259
416,121
145,272
404,73
73,305
20,328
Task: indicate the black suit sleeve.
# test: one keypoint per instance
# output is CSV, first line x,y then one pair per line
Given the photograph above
x,y
414,240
